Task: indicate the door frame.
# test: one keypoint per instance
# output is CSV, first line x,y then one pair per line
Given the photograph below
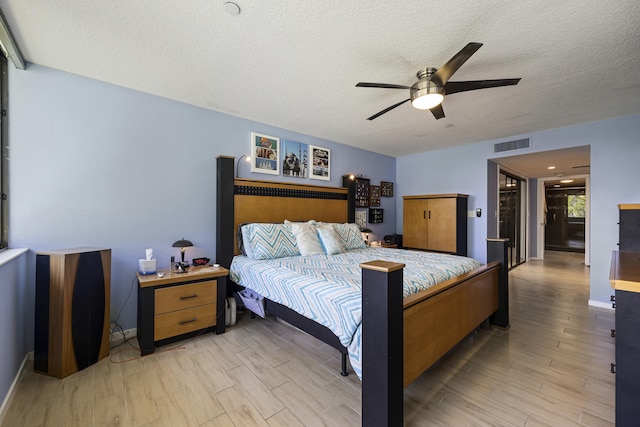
x,y
524,211
540,225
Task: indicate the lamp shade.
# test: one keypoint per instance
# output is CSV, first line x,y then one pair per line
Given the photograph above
x,y
182,243
365,230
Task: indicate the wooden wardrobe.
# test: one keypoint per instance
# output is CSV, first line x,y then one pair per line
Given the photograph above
x,y
436,222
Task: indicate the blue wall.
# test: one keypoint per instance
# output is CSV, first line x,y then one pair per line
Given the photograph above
x,y
615,151
13,316
98,165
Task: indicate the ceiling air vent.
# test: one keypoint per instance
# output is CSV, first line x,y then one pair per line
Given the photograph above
x,y
511,145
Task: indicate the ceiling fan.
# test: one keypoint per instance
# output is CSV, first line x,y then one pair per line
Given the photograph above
x,y
433,84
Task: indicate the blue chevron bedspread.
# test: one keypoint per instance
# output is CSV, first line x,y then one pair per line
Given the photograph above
x,y
327,288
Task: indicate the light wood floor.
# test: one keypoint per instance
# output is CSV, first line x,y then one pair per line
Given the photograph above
x,y
551,368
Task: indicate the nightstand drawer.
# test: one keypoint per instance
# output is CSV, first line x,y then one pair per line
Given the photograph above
x,y
184,321
185,296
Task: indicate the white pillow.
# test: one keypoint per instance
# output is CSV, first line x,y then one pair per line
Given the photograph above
x,y
330,239
307,238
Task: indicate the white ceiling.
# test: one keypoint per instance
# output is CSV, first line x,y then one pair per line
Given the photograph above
x,y
294,64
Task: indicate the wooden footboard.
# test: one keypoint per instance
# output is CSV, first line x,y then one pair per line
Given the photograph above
x,y
401,339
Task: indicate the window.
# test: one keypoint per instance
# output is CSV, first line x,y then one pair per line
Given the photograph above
x,y
576,205
4,155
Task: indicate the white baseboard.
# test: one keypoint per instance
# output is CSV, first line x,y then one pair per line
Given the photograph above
x,y
599,304
14,384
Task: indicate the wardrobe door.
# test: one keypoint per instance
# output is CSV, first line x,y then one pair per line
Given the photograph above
x,y
415,224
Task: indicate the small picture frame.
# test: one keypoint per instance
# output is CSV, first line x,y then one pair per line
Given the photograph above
x,y
374,195
265,154
386,189
295,159
361,218
320,163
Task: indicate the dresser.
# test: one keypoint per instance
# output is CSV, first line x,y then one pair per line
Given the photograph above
x,y
625,279
73,289
180,305
436,222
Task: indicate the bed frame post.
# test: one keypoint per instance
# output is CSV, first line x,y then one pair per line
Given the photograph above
x,y
350,185
497,251
224,214
382,344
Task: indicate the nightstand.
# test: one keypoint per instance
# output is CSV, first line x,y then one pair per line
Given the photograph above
x,y
180,305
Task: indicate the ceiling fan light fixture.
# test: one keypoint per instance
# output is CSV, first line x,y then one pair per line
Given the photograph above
x,y
426,94
427,101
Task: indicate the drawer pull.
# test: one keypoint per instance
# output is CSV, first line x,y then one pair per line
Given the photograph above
x,y
613,368
184,322
189,297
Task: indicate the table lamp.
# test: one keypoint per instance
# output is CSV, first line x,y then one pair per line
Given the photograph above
x,y
182,244
366,232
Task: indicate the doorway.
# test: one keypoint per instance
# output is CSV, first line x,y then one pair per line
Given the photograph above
x,y
565,218
512,216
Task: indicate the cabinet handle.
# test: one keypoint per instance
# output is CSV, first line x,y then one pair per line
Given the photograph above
x,y
184,322
429,214
613,368
424,214
189,296
613,333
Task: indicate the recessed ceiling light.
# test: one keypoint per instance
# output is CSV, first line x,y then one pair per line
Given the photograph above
x,y
551,167
556,185
566,181
231,8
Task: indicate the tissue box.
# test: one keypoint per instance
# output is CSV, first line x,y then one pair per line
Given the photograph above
x,y
147,266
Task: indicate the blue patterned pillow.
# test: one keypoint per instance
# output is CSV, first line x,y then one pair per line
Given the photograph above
x,y
330,240
350,236
272,241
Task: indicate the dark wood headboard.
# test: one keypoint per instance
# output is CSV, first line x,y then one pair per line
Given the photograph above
x,y
244,200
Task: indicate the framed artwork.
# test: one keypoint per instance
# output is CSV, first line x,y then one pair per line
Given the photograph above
x,y
295,159
361,219
265,154
362,192
320,163
374,195
376,215
386,189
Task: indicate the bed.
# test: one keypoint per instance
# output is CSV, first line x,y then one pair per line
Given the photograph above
x,y
408,329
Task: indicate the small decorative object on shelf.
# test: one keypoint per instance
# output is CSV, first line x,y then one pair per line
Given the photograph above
x,y
386,189
375,215
374,195
362,192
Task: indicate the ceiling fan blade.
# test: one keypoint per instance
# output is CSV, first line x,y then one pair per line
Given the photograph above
x,y
437,111
382,85
386,110
445,72
455,87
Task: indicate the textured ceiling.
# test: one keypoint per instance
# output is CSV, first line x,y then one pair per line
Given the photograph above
x,y
294,64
